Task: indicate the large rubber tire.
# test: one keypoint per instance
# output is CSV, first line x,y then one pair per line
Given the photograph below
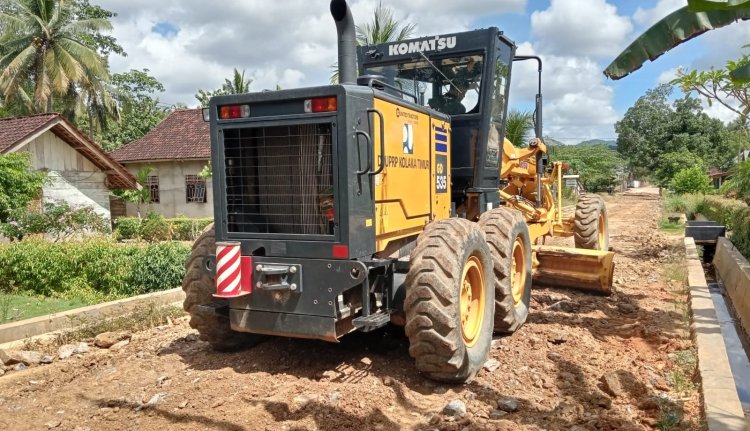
x,y
591,223
198,286
503,227
433,305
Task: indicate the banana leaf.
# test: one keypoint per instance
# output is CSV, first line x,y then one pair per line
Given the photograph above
x,y
704,5
675,29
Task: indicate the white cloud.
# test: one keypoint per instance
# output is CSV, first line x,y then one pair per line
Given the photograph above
x,y
580,28
648,17
577,102
668,75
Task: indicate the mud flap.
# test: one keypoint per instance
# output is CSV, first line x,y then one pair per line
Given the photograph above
x,y
574,268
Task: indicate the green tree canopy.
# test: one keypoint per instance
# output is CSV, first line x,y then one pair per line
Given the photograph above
x,y
597,165
237,84
691,180
672,163
19,185
653,127
46,50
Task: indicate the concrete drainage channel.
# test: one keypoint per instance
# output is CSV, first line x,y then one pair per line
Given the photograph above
x,y
720,303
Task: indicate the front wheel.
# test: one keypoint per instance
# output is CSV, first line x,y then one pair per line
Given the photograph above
x,y
449,301
591,223
508,236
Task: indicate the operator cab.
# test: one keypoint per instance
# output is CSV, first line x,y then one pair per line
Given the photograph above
x,y
464,75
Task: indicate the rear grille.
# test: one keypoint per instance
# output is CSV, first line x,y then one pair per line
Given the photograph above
x,y
279,179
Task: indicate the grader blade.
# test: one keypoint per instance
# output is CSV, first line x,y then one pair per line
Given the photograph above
x,y
575,268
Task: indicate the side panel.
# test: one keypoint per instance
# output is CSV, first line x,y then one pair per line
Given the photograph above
x,y
403,198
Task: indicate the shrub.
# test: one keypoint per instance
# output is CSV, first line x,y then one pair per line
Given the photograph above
x,y
58,220
155,228
733,214
687,204
127,228
92,270
691,180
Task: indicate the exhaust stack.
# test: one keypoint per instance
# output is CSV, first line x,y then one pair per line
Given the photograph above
x,y
347,41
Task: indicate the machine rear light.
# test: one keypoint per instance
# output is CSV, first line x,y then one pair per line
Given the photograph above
x,y
321,104
229,112
340,251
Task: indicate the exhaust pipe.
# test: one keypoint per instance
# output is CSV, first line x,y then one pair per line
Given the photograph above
x,y
347,41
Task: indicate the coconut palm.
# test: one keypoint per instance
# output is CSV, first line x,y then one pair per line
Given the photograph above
x,y
519,126
238,84
44,52
698,17
383,28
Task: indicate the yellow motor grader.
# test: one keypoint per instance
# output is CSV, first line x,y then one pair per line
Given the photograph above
x,y
389,198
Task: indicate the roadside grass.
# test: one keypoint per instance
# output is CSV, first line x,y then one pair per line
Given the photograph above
x,y
14,306
143,318
671,227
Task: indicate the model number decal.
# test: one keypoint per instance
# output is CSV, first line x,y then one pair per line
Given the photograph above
x,y
441,173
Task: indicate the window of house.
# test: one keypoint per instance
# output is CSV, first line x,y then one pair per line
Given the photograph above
x,y
153,187
195,189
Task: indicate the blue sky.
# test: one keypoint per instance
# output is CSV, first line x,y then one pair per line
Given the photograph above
x,y
193,44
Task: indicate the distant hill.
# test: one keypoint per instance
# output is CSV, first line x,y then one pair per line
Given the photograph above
x,y
590,142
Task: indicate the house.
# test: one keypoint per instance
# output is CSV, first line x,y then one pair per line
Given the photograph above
x,y
80,172
177,150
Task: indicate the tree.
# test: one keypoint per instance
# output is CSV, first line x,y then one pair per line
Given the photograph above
x,y
698,17
142,196
238,84
691,180
597,165
19,185
518,127
652,127
717,86
739,184
672,163
136,93
383,28
45,44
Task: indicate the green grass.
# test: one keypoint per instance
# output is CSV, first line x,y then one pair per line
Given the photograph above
x,y
18,307
671,227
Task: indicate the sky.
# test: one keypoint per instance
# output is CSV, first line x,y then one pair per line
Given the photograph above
x,y
189,45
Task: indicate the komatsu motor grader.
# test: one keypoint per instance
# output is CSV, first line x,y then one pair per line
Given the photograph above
x,y
392,197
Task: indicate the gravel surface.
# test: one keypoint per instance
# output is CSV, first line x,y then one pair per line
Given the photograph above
x,y
582,362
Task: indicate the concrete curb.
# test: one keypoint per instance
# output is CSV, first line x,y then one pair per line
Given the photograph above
x,y
22,329
720,400
734,271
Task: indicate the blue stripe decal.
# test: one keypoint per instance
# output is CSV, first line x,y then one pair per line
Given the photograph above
x,y
442,148
441,130
441,138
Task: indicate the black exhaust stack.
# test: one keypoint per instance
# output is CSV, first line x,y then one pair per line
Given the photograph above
x,y
347,40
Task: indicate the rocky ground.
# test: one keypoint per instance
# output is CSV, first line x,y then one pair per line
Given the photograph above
x,y
582,362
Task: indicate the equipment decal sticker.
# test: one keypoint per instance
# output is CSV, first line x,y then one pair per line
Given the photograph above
x,y
441,173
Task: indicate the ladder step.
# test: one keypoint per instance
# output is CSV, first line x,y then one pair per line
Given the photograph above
x,y
373,321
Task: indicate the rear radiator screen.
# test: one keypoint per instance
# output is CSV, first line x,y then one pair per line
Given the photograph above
x,y
279,180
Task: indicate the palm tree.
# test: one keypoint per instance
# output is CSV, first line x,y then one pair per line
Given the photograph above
x,y
698,17
44,52
383,28
238,84
518,127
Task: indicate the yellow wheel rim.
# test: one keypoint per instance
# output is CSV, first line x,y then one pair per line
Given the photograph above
x,y
472,300
518,271
602,232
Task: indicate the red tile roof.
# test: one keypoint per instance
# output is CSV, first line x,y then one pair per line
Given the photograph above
x,y
182,135
15,129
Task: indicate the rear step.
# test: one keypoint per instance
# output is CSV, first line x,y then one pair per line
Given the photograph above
x,y
373,321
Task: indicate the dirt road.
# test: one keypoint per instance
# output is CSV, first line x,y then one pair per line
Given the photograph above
x,y
581,363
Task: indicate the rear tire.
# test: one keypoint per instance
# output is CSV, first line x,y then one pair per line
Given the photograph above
x,y
591,223
198,286
449,301
508,236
